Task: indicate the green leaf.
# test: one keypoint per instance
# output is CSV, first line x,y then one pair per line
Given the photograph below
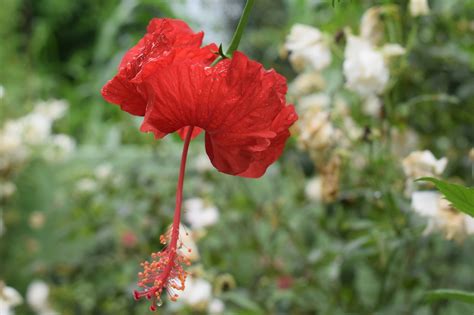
x,y
462,198
449,294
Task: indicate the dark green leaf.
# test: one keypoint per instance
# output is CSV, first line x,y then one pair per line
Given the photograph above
x,y
462,198
449,294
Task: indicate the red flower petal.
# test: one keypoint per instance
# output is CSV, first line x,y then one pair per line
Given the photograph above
x,y
167,41
240,105
121,91
184,131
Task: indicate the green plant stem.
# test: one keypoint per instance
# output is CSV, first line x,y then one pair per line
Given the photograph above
x,y
234,44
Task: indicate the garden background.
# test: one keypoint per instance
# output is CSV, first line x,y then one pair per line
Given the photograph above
x,y
336,226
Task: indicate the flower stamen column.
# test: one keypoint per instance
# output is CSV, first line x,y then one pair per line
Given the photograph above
x,y
166,270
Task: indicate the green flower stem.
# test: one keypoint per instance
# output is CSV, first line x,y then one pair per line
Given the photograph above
x,y
234,44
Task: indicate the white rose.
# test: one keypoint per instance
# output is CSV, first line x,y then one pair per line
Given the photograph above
x,y
315,101
307,82
316,129
469,221
423,163
364,67
441,216
37,297
9,298
425,203
307,45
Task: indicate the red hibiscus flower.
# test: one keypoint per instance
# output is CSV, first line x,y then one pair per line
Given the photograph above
x,y
241,107
167,41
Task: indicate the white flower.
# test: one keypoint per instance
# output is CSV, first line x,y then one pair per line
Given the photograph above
x,y
199,214
314,189
216,307
372,106
425,203
371,26
10,137
419,7
315,101
307,46
188,246
423,163
37,298
2,91
364,67
316,130
52,110
9,298
35,128
469,225
441,216
33,131
351,130
307,82
12,150
340,107
197,292
6,189
318,133
37,220
59,148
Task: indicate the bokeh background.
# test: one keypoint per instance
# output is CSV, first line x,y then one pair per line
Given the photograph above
x,y
337,226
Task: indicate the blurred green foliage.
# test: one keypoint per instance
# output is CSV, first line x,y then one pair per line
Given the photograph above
x,y
362,254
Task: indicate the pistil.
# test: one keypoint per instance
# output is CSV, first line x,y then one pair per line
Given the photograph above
x,y
166,270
